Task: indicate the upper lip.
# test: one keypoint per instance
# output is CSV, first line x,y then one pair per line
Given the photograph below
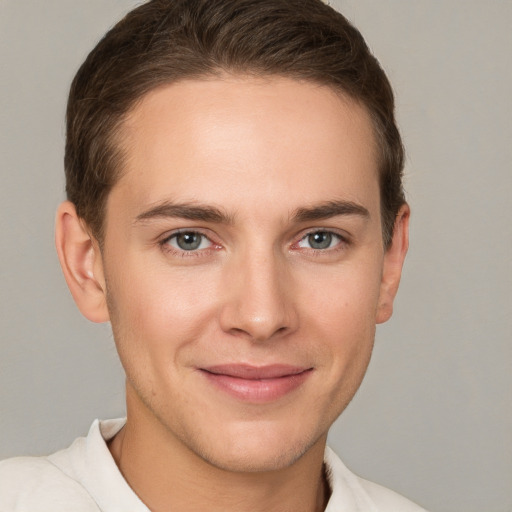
x,y
249,372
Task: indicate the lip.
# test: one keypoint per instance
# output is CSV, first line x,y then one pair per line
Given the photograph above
x,y
256,384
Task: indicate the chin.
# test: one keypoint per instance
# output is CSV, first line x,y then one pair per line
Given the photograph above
x,y
252,450
254,461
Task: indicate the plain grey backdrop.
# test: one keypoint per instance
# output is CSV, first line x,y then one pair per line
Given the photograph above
x,y
433,418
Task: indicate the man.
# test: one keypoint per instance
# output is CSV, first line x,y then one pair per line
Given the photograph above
x,y
235,210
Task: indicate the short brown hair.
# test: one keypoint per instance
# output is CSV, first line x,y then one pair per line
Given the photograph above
x,y
163,41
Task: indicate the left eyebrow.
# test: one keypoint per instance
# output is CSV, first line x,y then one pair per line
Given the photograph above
x,y
329,209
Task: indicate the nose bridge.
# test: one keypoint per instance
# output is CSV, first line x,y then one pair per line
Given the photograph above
x,y
259,302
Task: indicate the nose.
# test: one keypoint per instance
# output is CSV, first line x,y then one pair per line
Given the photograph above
x,y
259,302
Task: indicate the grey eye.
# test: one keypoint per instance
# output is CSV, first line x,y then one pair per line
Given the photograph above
x,y
189,241
320,240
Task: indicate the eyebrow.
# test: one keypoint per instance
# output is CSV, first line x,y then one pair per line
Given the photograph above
x,y
329,209
187,211
207,213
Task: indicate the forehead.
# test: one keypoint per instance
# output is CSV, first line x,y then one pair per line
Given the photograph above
x,y
248,142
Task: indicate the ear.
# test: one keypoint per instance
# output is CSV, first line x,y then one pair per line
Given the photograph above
x,y
81,262
393,262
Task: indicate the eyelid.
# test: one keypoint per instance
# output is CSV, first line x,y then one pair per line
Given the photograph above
x,y
177,231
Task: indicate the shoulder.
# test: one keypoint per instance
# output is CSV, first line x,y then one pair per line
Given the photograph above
x,y
84,475
35,484
354,493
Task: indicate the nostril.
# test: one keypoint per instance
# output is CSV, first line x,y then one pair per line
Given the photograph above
x,y
256,333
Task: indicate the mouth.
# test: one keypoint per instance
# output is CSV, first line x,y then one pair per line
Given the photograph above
x,y
256,384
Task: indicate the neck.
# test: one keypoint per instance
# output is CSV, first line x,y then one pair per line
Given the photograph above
x,y
167,476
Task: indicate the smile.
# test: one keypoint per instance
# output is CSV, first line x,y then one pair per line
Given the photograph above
x,y
256,384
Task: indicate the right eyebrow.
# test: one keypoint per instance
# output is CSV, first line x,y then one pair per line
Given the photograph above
x,y
189,211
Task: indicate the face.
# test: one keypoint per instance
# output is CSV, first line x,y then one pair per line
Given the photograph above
x,y
243,263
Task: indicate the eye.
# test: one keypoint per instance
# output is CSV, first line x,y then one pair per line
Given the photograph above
x,y
189,241
319,240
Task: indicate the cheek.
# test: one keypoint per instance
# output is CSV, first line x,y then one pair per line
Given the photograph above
x,y
344,298
156,312
341,310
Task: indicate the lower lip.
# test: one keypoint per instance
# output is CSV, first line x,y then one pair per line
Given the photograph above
x,y
257,391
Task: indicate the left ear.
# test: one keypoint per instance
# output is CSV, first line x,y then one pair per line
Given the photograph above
x,y
393,262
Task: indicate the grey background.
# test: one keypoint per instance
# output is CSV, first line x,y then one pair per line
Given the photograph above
x,y
433,419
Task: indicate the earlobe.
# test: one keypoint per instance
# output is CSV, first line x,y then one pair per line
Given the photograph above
x,y
81,263
393,262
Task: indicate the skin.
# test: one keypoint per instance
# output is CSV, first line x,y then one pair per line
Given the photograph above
x,y
255,166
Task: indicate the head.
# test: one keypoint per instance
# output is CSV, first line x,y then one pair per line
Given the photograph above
x,y
236,212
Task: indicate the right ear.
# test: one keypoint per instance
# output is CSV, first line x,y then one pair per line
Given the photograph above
x,y
81,262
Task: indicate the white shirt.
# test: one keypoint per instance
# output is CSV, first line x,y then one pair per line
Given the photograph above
x,y
85,478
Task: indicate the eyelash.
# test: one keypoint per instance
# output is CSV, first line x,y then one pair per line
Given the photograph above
x,y
342,243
